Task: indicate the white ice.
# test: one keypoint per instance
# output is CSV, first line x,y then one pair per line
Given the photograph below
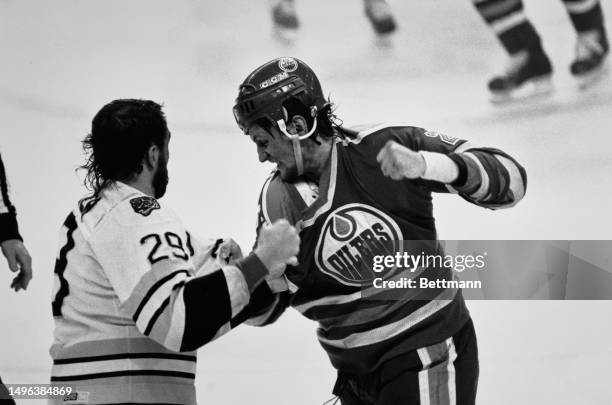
x,y
61,61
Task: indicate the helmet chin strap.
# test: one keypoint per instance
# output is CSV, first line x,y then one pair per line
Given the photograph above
x,y
295,141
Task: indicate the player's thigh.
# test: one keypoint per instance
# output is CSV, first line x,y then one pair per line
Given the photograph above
x,y
441,374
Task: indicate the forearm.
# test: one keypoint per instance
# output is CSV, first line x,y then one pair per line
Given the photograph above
x,y
8,227
440,168
264,308
227,291
8,217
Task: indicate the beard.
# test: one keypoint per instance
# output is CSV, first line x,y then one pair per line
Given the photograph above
x,y
160,179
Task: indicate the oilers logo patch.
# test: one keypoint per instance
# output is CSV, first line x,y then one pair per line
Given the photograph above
x,y
444,138
144,205
287,65
351,236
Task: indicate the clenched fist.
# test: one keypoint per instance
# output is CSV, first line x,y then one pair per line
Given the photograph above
x,y
399,162
278,246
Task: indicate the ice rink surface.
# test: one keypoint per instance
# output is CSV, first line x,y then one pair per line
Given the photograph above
x,y
62,60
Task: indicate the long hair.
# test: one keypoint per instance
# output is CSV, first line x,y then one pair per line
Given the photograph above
x,y
121,134
328,123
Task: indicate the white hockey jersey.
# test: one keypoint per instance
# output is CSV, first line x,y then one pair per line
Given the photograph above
x,y
134,296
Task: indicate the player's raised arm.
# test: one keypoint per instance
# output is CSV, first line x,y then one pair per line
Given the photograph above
x,y
484,176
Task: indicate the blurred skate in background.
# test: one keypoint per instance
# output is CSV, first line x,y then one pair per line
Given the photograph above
x,y
529,70
286,22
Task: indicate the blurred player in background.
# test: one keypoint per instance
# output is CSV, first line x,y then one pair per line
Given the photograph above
x,y
13,249
133,288
378,12
529,70
351,193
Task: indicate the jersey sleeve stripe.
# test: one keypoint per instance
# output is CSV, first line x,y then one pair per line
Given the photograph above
x,y
152,290
473,178
498,175
517,186
222,330
262,319
484,184
208,293
278,309
494,178
507,180
174,337
158,299
161,326
156,315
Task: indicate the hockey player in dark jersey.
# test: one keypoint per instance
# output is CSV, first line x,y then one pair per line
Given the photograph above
x,y
351,192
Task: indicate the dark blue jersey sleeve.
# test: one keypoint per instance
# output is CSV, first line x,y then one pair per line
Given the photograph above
x,y
487,176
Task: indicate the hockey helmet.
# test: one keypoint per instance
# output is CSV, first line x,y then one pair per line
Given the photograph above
x,y
267,88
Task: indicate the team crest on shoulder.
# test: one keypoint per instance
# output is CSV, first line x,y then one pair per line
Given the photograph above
x,y
144,205
444,138
351,235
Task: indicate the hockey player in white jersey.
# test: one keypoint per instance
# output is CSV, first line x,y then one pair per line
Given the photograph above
x,y
135,294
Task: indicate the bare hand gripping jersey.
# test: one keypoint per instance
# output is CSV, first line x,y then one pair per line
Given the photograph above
x,y
357,212
135,294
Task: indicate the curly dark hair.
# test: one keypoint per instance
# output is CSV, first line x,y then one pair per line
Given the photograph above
x,y
121,133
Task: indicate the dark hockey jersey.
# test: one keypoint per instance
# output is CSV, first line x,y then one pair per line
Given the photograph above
x,y
360,213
